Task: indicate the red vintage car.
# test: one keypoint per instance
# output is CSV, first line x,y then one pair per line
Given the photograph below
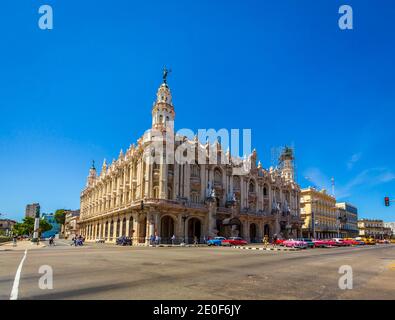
x,y
234,241
279,242
324,243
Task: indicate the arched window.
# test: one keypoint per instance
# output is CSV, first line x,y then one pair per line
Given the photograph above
x,y
160,119
236,183
195,171
217,177
251,187
265,192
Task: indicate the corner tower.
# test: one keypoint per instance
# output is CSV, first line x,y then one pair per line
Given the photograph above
x,y
287,166
92,175
163,110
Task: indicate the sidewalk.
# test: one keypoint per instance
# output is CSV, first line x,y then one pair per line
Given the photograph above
x,y
21,246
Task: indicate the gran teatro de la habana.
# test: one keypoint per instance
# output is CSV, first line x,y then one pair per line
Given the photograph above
x,y
195,200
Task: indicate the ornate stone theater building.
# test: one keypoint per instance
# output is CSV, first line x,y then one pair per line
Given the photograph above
x,y
137,198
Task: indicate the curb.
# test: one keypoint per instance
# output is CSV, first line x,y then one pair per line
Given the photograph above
x,y
266,249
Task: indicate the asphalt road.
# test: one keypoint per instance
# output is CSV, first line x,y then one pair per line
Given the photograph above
x,y
110,272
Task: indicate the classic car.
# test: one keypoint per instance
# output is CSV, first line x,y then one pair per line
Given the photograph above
x,y
279,242
310,243
295,244
217,241
323,243
234,241
339,242
369,241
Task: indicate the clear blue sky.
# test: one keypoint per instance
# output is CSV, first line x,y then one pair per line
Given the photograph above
x,y
283,68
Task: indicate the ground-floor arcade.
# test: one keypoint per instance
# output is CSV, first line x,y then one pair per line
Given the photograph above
x,y
186,224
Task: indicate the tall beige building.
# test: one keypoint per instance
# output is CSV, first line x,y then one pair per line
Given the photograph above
x,y
31,210
320,214
138,196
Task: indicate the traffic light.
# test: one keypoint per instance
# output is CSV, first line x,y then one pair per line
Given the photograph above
x,y
387,201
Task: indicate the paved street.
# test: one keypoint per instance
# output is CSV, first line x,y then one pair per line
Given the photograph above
x,y
110,272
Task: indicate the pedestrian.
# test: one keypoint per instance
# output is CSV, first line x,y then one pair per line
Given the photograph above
x,y
14,241
204,239
173,238
195,241
265,240
156,239
152,240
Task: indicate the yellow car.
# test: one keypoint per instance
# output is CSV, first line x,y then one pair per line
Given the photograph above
x,y
392,240
369,240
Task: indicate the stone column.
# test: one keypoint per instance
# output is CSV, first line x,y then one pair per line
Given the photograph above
x,y
146,175
108,230
187,181
150,228
163,181
136,228
246,229
121,227
203,182
115,230
212,217
127,225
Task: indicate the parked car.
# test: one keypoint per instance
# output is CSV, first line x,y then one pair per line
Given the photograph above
x,y
341,242
292,243
100,240
323,243
124,241
234,241
369,241
310,243
279,242
217,241
351,242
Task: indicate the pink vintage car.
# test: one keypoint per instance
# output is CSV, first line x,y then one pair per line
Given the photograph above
x,y
324,243
291,243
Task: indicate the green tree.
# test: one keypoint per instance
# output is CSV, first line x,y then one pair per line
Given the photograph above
x,y
60,216
26,227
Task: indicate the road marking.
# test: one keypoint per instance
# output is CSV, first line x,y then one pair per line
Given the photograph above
x,y
15,287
